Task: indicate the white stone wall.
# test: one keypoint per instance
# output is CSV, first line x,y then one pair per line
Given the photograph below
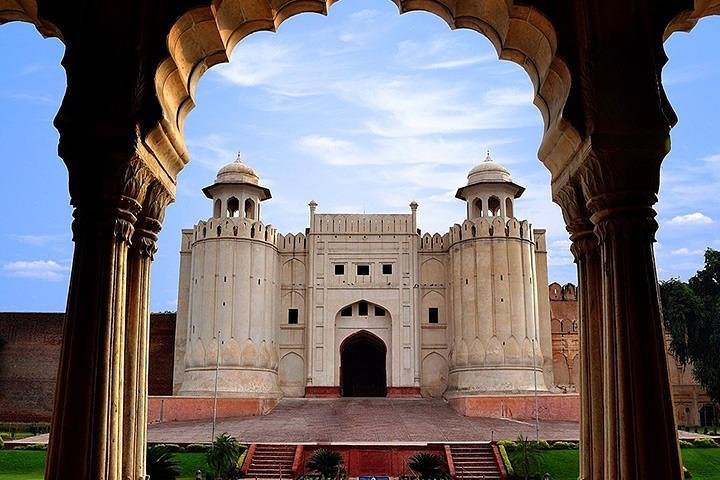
x,y
234,290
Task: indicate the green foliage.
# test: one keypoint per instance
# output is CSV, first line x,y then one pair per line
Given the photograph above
x,y
506,461
691,313
198,448
705,443
508,444
171,447
327,463
161,463
542,445
564,446
428,466
32,446
224,455
686,444
526,458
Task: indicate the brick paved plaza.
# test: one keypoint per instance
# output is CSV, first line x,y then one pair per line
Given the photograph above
x,y
357,420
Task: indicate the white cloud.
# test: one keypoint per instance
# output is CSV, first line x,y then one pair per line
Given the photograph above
x,y
42,240
686,251
695,218
365,14
257,63
36,269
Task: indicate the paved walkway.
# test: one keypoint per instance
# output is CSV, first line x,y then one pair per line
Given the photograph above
x,y
359,420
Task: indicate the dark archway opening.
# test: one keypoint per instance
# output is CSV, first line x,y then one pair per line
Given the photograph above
x,y
362,366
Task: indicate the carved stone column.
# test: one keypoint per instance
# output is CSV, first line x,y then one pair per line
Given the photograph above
x,y
86,433
640,437
137,331
587,258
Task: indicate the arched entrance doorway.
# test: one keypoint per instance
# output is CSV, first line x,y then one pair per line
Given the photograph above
x,y
362,366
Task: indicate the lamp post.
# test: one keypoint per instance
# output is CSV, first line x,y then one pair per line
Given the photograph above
x,y
215,399
537,413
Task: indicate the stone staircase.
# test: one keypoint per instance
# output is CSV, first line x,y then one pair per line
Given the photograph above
x,y
475,462
270,461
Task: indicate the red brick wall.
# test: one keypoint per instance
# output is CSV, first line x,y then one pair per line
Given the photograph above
x,y
29,355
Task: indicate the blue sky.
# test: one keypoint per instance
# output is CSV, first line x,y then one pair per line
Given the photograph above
x,y
363,111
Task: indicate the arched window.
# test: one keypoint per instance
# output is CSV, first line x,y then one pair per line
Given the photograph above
x,y
217,209
477,208
249,209
233,207
493,206
509,207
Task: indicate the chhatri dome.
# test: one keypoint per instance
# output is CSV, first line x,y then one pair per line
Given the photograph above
x,y
488,171
237,172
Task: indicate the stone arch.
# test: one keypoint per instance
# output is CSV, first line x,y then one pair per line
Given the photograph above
x,y
293,272
434,375
432,272
291,374
493,206
233,207
433,299
363,365
249,208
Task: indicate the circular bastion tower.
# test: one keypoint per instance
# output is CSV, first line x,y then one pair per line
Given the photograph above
x,y
493,295
234,287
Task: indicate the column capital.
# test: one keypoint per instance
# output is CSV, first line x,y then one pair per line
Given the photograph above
x,y
150,220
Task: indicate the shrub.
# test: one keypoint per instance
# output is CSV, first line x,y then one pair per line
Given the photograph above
x,y
428,466
327,463
171,447
526,458
705,443
508,444
542,445
32,446
686,444
224,455
564,446
197,448
161,463
506,461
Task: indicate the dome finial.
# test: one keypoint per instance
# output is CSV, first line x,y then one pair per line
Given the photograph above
x,y
487,157
239,158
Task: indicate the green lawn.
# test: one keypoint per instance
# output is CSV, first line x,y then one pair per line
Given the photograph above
x,y
30,465
703,463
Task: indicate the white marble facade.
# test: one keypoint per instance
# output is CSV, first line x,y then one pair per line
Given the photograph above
x,y
459,314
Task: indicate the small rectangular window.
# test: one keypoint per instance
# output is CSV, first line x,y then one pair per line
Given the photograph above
x,y
346,312
363,269
433,315
362,309
379,311
292,316
339,269
387,269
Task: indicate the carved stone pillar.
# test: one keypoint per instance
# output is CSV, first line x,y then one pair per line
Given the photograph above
x,y
640,437
137,332
86,434
587,258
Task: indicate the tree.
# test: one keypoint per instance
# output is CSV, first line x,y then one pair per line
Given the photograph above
x,y
328,463
224,455
691,314
428,466
161,463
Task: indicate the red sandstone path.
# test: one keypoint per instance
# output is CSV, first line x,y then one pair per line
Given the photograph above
x,y
360,420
